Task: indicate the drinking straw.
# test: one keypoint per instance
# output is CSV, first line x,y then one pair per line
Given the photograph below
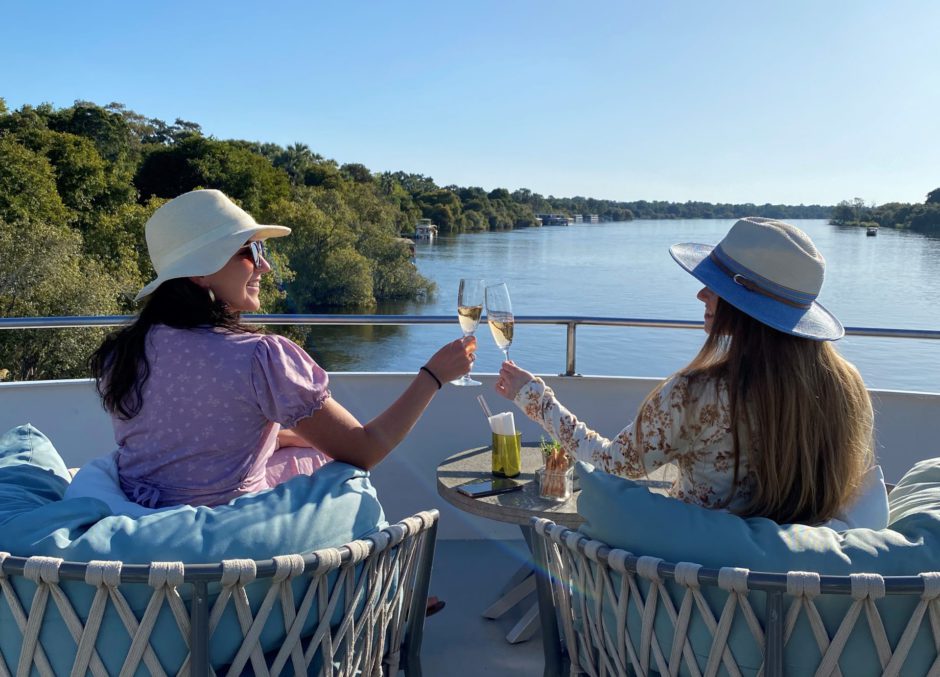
x,y
486,409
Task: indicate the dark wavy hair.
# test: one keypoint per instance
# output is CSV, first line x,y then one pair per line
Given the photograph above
x,y
120,366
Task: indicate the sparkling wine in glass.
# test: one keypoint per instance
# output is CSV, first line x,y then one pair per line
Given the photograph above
x,y
499,316
469,310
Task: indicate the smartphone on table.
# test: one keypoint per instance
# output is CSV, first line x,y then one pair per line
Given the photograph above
x,y
481,488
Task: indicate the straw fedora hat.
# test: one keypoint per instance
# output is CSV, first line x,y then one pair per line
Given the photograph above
x,y
196,234
768,269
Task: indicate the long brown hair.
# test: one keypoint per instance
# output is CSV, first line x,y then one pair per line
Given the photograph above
x,y
120,364
802,409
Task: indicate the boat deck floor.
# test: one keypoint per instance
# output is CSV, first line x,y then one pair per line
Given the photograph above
x,y
458,641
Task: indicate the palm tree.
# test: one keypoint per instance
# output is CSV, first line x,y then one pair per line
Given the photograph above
x,y
296,159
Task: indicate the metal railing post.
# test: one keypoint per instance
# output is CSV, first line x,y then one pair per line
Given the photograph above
x,y
570,350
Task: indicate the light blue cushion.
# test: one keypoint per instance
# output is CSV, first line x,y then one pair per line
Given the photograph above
x,y
336,505
47,477
99,479
33,479
917,493
627,515
870,509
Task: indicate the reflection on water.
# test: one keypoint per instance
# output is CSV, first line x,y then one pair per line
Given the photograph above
x,y
624,270
348,347
345,348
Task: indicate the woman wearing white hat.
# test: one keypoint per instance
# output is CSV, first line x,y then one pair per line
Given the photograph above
x,y
198,400
768,419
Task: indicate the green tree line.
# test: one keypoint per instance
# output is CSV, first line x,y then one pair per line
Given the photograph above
x,y
707,210
77,185
922,217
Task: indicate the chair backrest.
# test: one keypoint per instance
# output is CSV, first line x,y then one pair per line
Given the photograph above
x,y
355,609
620,613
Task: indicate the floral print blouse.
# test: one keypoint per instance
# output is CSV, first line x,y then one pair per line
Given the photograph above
x,y
686,423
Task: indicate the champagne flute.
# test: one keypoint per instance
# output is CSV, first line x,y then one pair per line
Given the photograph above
x,y
469,310
499,316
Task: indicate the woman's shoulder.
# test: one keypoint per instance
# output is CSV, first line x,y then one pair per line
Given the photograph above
x,y
262,346
276,349
208,333
276,342
688,388
164,337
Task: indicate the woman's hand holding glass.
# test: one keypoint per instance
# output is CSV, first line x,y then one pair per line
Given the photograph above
x,y
511,379
454,359
469,310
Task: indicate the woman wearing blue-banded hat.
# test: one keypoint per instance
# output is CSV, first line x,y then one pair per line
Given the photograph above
x,y
768,419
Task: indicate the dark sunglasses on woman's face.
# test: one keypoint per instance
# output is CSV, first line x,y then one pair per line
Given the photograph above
x,y
253,250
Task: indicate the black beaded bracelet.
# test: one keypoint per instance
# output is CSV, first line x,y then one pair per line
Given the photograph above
x,y
431,374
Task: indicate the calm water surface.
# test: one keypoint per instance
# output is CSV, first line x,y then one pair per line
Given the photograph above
x,y
624,270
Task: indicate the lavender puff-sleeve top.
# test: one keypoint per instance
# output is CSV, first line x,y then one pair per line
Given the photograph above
x,y
212,408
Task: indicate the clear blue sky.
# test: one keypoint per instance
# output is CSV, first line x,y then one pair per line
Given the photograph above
x,y
797,102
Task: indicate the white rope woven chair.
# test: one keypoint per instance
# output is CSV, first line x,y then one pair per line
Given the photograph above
x,y
353,610
622,614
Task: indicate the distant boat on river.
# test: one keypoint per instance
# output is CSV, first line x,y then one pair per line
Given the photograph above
x,y
553,219
425,230
872,231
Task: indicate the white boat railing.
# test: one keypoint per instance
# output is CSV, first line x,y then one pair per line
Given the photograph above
x,y
69,412
571,322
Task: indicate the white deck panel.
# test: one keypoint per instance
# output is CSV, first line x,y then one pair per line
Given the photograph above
x,y
907,429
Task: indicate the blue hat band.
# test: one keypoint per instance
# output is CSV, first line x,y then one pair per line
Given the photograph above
x,y
759,285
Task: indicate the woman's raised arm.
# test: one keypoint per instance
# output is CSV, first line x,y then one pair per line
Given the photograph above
x,y
338,434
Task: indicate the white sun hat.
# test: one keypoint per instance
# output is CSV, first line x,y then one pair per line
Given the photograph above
x,y
197,233
768,269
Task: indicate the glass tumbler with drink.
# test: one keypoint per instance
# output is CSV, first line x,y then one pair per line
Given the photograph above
x,y
555,479
507,445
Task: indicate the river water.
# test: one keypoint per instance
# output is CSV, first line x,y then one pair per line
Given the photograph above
x,y
624,270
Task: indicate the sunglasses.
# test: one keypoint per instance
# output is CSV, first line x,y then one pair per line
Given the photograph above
x,y
254,250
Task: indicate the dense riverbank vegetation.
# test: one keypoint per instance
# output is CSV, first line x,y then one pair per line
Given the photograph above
x,y
77,185
919,217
